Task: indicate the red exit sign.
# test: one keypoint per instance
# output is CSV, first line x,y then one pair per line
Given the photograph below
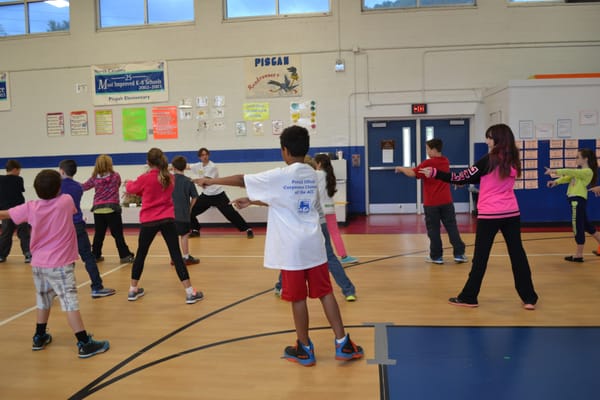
x,y
420,108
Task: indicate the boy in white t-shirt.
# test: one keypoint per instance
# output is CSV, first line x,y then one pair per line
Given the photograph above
x,y
54,251
294,241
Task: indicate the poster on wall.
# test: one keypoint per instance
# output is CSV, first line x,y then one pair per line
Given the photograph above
x,y
4,96
134,124
136,83
79,123
104,122
273,76
255,111
164,122
55,124
304,114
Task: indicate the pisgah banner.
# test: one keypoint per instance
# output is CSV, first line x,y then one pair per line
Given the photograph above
x,y
273,76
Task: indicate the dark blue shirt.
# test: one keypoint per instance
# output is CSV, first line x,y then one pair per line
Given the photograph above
x,y
73,189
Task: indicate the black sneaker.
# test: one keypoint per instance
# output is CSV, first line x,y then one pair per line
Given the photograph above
x,y
194,233
250,234
348,350
92,347
2,259
100,259
455,301
127,259
303,355
41,341
27,258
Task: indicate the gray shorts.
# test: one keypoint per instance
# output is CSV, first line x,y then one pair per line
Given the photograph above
x,y
56,282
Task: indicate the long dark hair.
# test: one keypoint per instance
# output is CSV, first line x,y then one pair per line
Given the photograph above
x,y
156,158
326,166
505,153
592,161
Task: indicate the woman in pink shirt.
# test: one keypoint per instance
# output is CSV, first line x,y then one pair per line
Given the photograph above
x,y
498,210
157,215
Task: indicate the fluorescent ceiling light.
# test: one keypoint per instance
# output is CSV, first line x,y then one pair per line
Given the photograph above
x,y
58,3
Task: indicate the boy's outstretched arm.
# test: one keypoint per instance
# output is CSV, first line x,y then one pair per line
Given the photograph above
x,y
406,171
232,180
244,202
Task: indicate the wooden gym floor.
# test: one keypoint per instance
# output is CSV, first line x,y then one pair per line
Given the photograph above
x,y
229,345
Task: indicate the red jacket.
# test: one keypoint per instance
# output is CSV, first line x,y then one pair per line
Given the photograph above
x,y
435,192
157,203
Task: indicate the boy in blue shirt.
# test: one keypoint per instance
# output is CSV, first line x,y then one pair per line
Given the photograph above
x,y
68,169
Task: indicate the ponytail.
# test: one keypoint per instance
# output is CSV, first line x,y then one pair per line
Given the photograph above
x,y
326,166
157,159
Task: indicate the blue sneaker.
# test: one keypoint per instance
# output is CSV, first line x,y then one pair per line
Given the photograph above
x,y
301,354
349,260
41,341
104,292
92,347
461,259
439,260
347,350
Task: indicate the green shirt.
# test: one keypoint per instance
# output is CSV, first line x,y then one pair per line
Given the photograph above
x,y
578,179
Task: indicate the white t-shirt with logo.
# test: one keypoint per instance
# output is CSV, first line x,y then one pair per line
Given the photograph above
x,y
207,171
294,240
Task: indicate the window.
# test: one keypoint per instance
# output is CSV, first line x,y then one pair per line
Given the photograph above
x,y
113,13
270,8
379,4
22,17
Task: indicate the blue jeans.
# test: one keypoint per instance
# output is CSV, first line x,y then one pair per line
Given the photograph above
x,y
335,267
85,252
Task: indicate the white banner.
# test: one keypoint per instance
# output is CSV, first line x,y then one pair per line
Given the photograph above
x,y
4,95
273,76
144,82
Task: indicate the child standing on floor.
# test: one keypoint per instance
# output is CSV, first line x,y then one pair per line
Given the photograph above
x,y
437,204
53,247
578,179
327,188
294,241
68,169
157,215
11,194
333,263
498,210
107,209
184,198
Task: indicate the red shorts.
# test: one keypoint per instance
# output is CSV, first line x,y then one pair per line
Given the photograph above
x,y
313,282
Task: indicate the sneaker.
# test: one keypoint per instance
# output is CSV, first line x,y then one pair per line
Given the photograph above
x,y
455,301
190,260
194,297
349,260
27,258
2,259
127,259
347,350
100,259
277,292
301,354
92,347
104,292
529,306
461,259
250,234
434,260
41,341
351,297
194,233
133,296
574,259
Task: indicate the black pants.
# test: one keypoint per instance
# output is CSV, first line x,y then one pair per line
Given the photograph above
x,y
221,201
444,214
6,238
114,222
169,233
484,239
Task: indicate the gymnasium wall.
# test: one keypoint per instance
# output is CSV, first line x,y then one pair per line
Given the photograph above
x,y
446,57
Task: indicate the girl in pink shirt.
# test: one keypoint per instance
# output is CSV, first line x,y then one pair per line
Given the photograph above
x,y
157,215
